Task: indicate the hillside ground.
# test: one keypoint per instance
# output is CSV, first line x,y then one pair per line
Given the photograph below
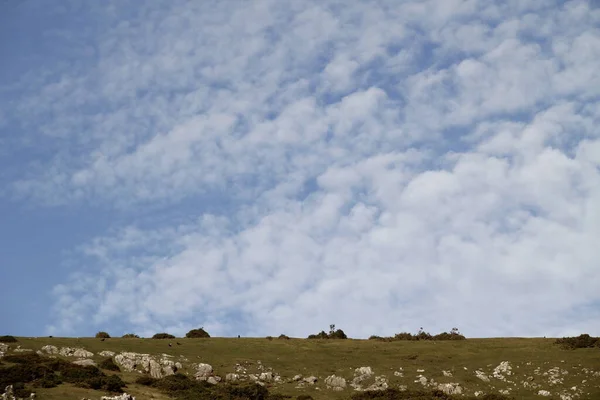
x,y
530,360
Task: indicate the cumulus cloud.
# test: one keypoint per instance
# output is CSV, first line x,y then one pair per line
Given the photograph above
x,y
385,166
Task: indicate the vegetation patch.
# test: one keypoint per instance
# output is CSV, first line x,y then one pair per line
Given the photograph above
x,y
333,334
163,335
102,335
181,387
422,335
45,372
130,336
8,339
109,365
583,341
197,333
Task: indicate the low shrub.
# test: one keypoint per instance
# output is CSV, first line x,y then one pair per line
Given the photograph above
x,y
8,339
181,387
197,333
422,335
48,372
282,336
269,338
113,383
102,335
109,364
146,380
583,341
163,335
130,336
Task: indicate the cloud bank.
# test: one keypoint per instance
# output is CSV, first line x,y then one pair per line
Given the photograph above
x,y
380,166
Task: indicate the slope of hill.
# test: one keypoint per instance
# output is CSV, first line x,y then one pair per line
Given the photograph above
x,y
517,367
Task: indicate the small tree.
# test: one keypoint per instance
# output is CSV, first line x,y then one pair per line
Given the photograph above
x,y
102,335
197,333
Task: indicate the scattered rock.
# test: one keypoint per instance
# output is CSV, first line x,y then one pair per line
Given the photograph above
x,y
447,373
266,376
203,371
123,396
85,362
398,374
231,377
336,383
544,393
3,349
311,380
297,378
213,380
20,350
450,388
107,353
481,375
50,349
503,369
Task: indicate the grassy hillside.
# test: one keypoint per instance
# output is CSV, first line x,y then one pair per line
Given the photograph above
x,y
537,362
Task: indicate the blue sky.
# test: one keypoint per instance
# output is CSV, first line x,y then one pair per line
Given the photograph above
x,y
272,167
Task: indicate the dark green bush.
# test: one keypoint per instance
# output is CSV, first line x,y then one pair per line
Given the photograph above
x,y
8,339
174,383
282,336
113,383
269,338
163,335
109,364
48,372
181,387
197,333
146,380
130,336
582,341
333,334
320,335
102,335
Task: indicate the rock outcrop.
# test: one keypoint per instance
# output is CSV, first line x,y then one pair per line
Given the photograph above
x,y
450,388
85,362
3,349
203,371
336,383
9,394
123,396
68,351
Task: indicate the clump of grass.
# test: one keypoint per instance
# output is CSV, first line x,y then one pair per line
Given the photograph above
x,y
8,339
583,341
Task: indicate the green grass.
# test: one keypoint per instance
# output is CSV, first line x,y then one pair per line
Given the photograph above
x,y
322,358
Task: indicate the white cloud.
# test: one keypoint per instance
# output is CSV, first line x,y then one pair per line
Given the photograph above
x,y
392,166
